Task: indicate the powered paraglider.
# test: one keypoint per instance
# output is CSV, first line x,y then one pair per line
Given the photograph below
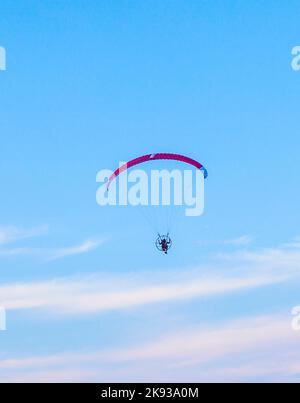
x,y
163,242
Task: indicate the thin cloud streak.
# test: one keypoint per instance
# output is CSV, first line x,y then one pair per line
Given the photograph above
x,y
53,254
95,294
13,252
86,295
10,234
294,244
197,353
244,240
86,246
272,257
240,241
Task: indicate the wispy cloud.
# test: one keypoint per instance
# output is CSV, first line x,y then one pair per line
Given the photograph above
x,y
243,240
97,294
86,246
11,233
200,345
91,294
49,254
294,244
12,252
261,347
281,257
240,241
264,348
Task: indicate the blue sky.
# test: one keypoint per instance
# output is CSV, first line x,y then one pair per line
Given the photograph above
x,y
87,296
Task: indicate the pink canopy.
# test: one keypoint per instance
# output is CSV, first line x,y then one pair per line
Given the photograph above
x,y
155,157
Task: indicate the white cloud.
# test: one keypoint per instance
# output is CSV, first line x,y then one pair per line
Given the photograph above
x,y
294,244
86,246
11,233
202,345
267,258
11,252
92,294
53,254
56,375
261,347
243,240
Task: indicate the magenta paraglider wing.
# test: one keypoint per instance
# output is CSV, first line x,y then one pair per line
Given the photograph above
x,y
155,157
